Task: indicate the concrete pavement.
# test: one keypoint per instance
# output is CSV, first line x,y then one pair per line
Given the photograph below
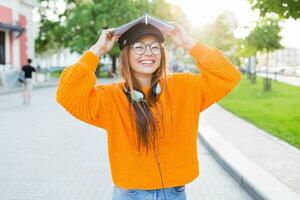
x,y
50,83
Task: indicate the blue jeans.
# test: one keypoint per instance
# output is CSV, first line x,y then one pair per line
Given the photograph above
x,y
172,193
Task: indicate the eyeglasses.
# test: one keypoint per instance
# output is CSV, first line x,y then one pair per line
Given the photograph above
x,y
140,48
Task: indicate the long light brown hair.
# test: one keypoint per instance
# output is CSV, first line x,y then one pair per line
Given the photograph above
x,y
146,124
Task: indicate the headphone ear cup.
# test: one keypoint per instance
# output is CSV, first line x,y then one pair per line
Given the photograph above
x,y
156,90
138,95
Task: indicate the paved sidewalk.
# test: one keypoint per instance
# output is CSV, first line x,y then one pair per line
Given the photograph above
x,y
286,79
47,154
275,157
50,83
37,85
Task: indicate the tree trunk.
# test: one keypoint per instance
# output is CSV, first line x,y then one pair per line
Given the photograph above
x,y
114,65
267,81
97,72
275,78
254,73
248,68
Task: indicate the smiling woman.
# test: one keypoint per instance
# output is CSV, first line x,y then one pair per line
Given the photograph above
x,y
151,116
145,61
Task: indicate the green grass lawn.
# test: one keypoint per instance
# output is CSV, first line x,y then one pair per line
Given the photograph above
x,y
55,74
276,111
103,75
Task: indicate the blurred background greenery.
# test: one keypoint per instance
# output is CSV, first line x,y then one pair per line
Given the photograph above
x,y
272,108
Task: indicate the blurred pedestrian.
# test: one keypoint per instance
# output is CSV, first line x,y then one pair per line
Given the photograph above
x,y
151,117
28,82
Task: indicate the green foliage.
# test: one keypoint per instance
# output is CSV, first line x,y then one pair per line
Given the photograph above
x,y
284,8
56,74
86,22
265,36
46,39
244,48
219,33
51,32
83,21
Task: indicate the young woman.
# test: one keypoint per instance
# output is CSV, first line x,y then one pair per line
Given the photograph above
x,y
150,116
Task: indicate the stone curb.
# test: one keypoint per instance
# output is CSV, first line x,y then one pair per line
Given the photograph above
x,y
255,180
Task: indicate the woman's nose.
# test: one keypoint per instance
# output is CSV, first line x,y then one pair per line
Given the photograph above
x,y
148,52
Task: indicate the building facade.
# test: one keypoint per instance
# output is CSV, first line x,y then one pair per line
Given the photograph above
x,y
17,32
287,57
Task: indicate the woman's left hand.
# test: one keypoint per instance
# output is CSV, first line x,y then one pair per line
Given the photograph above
x,y
180,37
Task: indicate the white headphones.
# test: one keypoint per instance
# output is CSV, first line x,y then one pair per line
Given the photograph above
x,y
139,95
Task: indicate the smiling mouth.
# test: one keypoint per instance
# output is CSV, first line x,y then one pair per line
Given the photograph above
x,y
147,62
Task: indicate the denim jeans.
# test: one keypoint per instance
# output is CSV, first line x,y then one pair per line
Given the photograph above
x,y
172,193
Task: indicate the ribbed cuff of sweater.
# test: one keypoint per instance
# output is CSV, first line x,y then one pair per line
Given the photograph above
x,y
199,50
90,60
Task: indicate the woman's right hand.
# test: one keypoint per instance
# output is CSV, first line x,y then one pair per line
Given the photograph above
x,y
105,42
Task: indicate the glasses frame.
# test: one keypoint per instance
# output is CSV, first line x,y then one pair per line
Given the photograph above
x,y
132,46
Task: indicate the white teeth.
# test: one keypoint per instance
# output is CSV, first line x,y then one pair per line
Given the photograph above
x,y
147,62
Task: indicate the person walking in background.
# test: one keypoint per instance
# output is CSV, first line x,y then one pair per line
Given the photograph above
x,y
151,117
28,82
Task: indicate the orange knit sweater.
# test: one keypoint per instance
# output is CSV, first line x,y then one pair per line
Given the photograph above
x,y
106,106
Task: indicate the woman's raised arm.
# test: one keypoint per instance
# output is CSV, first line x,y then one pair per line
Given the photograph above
x,y
76,90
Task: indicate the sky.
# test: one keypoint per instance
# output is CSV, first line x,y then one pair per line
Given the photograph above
x,y
200,12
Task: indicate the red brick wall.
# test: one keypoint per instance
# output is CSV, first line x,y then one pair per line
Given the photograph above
x,y
23,40
6,15
11,42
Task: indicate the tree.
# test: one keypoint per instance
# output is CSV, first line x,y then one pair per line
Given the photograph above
x,y
265,38
284,8
246,51
87,21
83,21
220,34
170,12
